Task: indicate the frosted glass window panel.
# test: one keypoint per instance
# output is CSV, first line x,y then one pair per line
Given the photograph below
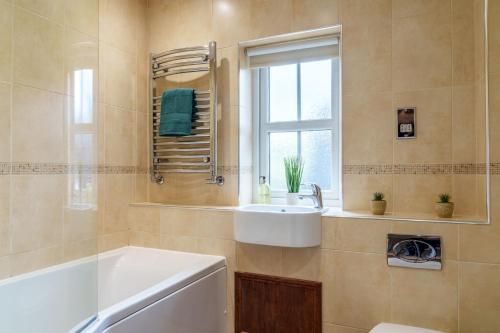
x,y
283,93
281,145
316,89
316,152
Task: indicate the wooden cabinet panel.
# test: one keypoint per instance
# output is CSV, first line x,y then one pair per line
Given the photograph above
x,y
268,304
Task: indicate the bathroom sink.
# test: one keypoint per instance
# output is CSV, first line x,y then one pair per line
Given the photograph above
x,y
287,226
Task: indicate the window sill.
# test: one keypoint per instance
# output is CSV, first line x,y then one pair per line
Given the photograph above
x,y
410,217
337,212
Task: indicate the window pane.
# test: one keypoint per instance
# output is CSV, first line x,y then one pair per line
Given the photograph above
x,y
316,89
281,145
317,154
283,93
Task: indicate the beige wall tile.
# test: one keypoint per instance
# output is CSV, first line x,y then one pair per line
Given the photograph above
x,y
144,239
310,14
219,247
463,124
179,243
5,114
146,219
464,45
4,267
193,17
406,8
179,222
141,187
79,224
83,15
5,232
447,231
120,135
235,14
359,189
433,127
37,209
29,261
464,195
479,243
81,249
119,193
357,235
259,259
363,42
38,52
50,9
424,60
479,298
270,17
372,77
142,140
368,114
330,328
118,22
118,77
356,289
216,224
363,13
37,114
494,36
494,113
111,241
425,298
5,41
302,263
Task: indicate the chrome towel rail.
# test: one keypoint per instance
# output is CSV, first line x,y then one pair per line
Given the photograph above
x,y
195,153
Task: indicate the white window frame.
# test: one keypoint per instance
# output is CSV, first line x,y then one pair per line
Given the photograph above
x,y
262,126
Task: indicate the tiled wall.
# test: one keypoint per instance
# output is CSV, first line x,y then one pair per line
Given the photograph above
x,y
123,94
379,75
42,44
426,54
359,289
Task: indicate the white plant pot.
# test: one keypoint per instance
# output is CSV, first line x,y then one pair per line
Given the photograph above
x,y
292,199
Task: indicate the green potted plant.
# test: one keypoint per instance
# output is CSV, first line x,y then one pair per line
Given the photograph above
x,y
294,167
378,204
444,207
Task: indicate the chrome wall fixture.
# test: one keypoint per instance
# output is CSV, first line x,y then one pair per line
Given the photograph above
x,y
414,251
196,153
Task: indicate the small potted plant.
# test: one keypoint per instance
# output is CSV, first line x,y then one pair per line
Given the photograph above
x,y
444,207
378,204
294,167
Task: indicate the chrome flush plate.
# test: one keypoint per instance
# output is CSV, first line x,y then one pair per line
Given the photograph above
x,y
414,251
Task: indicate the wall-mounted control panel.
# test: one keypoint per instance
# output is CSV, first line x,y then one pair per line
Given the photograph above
x,y
414,251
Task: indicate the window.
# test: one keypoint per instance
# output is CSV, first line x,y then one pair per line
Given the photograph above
x,y
296,110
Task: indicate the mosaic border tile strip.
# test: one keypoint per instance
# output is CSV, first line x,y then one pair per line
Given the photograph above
x,y
28,168
421,169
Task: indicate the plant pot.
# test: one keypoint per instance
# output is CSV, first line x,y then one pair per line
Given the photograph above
x,y
378,207
445,209
292,199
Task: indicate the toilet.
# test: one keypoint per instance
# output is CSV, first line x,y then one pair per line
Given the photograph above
x,y
395,328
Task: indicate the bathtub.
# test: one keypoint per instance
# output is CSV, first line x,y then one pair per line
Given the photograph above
x,y
135,289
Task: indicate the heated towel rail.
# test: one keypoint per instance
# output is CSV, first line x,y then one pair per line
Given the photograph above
x,y
195,153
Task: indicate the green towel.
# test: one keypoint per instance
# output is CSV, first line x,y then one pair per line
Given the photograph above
x,y
177,111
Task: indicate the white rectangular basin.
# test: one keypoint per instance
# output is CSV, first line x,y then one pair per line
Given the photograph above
x,y
287,226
